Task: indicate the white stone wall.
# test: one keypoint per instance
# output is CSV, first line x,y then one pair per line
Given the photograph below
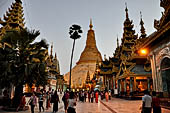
x,y
156,57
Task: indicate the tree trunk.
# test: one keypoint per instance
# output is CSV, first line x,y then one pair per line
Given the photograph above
x,y
71,64
17,96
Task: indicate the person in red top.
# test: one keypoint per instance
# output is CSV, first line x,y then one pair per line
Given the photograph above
x,y
156,103
96,95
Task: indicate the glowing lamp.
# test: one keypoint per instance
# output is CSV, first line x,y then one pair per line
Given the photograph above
x,y
143,51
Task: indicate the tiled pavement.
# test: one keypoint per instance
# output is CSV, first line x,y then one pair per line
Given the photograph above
x,y
115,105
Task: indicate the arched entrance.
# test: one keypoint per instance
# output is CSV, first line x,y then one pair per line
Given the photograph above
x,y
165,73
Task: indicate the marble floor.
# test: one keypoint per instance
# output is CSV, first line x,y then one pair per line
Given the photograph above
x,y
115,105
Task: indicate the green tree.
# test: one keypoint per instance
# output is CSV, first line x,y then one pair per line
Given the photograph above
x,y
74,32
24,59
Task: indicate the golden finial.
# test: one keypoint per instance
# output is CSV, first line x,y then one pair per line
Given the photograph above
x,y
91,25
52,49
126,9
143,34
117,41
55,55
141,21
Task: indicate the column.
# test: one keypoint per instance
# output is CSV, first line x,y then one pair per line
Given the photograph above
x,y
148,82
131,85
134,83
118,86
153,72
125,86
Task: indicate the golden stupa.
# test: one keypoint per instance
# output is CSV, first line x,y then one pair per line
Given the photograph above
x,y
87,61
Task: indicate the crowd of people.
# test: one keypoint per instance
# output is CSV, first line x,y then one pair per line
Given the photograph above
x,y
70,98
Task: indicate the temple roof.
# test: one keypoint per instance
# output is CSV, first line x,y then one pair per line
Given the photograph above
x,y
13,19
139,69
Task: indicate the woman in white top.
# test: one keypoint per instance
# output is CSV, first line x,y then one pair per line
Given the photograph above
x,y
33,102
71,103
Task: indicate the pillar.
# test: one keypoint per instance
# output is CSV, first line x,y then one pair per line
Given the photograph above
x,y
125,86
134,83
118,86
148,82
131,85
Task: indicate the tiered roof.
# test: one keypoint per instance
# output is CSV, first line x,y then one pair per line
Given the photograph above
x,y
53,64
13,19
162,26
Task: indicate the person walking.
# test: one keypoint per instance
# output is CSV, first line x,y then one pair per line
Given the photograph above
x,y
89,96
33,102
41,100
22,103
156,103
146,102
71,103
96,96
65,100
56,101
92,96
48,100
85,96
106,96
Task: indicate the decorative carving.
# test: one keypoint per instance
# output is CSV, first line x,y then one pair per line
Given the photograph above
x,y
156,24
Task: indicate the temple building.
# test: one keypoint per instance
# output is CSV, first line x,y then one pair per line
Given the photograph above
x,y
158,47
53,69
87,62
134,72
127,73
104,74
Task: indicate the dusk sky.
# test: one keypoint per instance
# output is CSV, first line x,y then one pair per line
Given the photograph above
x,y
54,17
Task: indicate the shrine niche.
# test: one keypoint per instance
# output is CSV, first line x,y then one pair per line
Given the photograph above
x,y
165,74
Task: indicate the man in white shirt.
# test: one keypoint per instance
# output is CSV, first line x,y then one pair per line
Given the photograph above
x,y
146,102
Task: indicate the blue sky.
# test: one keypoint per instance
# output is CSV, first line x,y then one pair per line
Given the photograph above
x,y
54,17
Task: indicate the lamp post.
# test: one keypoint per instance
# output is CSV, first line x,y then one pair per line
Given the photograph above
x,y
74,32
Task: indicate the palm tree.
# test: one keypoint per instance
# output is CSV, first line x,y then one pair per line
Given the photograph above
x,y
25,61
74,32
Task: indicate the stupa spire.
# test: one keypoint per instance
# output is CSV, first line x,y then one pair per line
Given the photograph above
x,y
90,53
55,55
51,52
13,19
143,34
88,77
126,9
91,25
117,41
